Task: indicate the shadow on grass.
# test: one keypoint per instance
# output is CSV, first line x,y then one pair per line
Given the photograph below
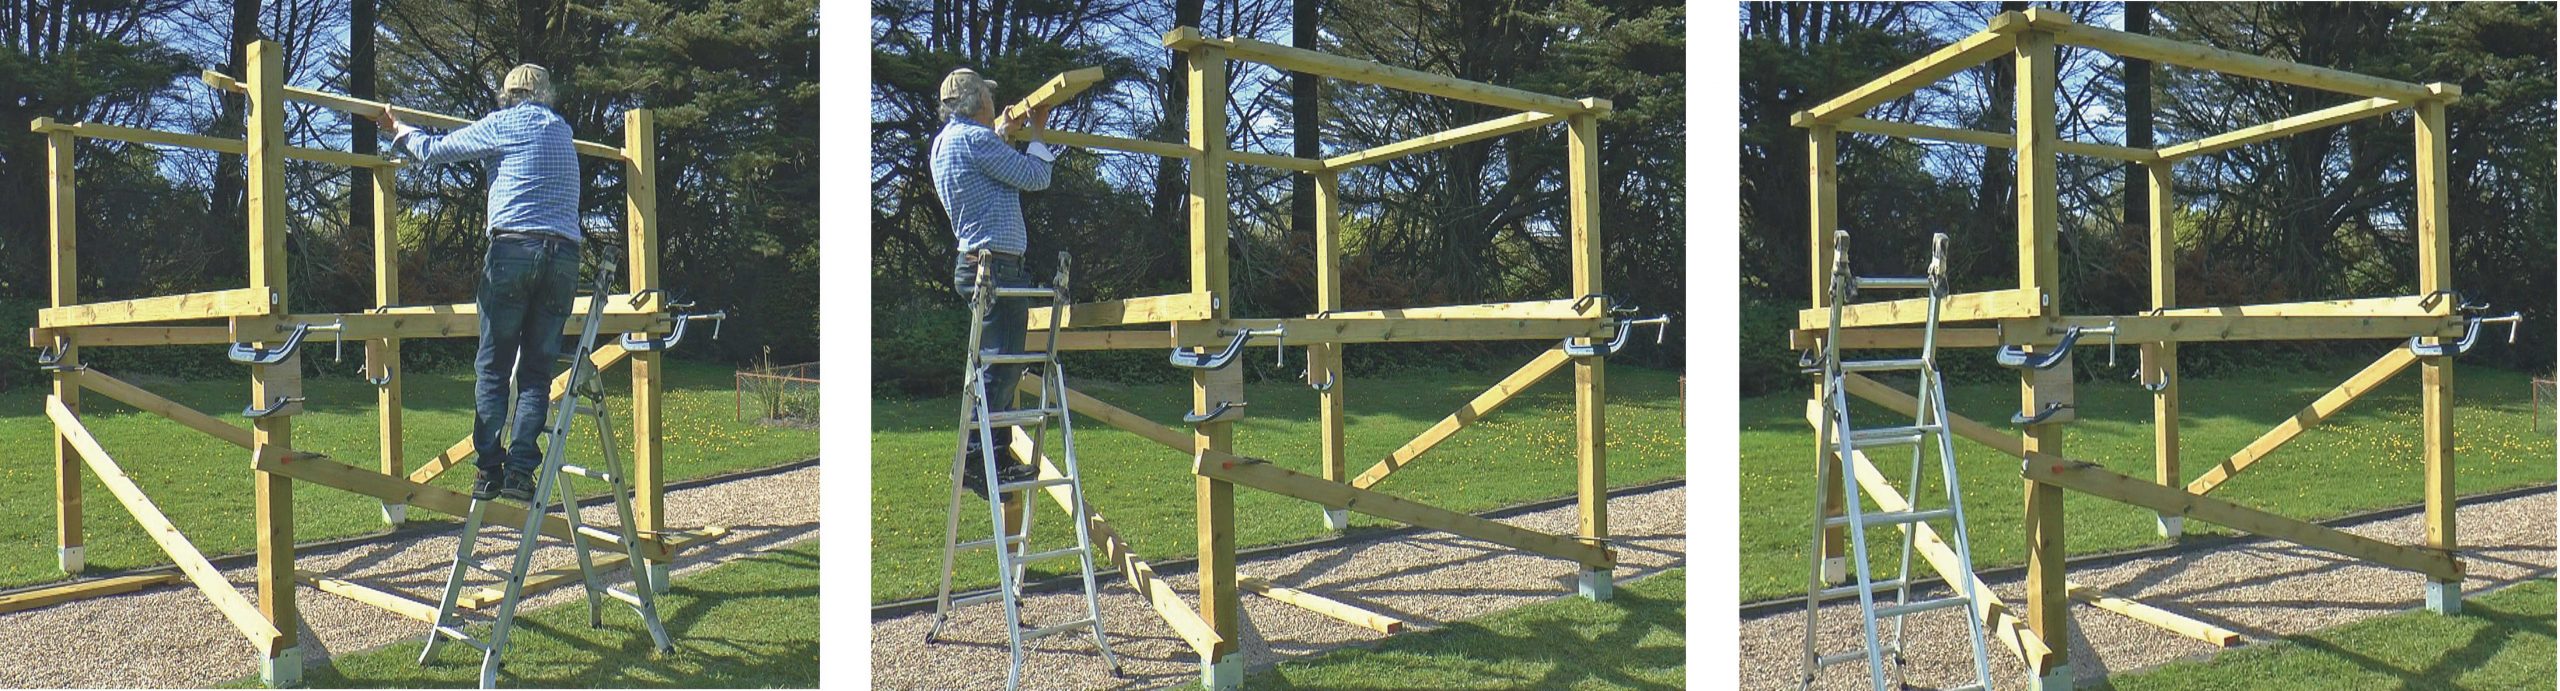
x,y
1566,644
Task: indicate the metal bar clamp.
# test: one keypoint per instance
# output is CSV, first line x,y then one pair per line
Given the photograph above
x,y
2470,335
247,354
2017,356
1661,324
255,412
1186,359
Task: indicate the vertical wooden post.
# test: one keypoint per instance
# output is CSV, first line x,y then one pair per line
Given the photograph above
x,y
2160,360
1220,604
1590,381
70,542
2039,269
281,662
1822,191
648,374
1326,365
2435,272
384,354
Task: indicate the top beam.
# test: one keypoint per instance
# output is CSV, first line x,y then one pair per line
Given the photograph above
x,y
1058,89
1289,59
1441,140
1993,41
2325,117
2183,54
369,109
1907,130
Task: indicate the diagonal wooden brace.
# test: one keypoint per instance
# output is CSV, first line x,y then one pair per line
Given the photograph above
x,y
604,357
1262,475
2088,478
1484,404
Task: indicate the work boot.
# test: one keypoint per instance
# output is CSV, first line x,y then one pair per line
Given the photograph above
x,y
486,486
519,485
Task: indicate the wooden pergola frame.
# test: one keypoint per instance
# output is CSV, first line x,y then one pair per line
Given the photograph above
x,y
2030,316
260,314
1201,319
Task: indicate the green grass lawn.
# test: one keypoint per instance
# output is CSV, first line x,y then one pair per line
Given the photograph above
x,y
1521,453
1633,641
2365,458
751,623
2500,641
203,483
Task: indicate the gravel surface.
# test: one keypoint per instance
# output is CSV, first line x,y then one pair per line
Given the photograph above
x,y
1426,579
2263,590
171,636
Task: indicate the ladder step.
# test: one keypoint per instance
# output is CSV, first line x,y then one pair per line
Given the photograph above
x,y
1015,359
1883,365
1921,606
456,634
626,596
1048,555
484,567
964,601
589,473
1894,283
1890,436
595,533
1012,487
1026,293
1851,590
1837,658
984,543
1047,631
1025,416
1883,518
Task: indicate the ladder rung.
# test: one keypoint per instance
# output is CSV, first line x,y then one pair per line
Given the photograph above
x,y
456,634
1894,283
966,600
618,593
1881,518
986,542
1882,365
1026,293
1015,359
1837,658
586,472
484,567
595,533
1025,416
1012,487
1968,687
1837,592
1048,555
1047,631
1889,436
1921,606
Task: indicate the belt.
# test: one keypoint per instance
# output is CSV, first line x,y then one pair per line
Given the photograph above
x,y
533,234
972,257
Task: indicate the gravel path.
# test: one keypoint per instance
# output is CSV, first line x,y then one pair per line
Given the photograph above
x,y
1426,579
170,636
2263,589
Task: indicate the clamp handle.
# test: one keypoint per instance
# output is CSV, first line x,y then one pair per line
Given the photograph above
x,y
1214,414
50,358
1189,360
2023,419
254,412
2018,357
247,354
1661,324
2470,335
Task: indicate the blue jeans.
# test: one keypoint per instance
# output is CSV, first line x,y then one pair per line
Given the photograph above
x,y
526,287
1002,333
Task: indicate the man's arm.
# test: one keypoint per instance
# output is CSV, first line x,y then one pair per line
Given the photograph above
x,y
1020,170
475,141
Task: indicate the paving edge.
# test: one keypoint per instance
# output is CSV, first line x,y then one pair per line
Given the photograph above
x,y
1174,567
2182,546
407,529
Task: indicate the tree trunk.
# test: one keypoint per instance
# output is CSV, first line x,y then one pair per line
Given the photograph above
x,y
1172,188
1305,118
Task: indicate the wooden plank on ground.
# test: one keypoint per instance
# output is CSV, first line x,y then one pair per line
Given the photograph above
x,y
226,598
384,600
240,302
82,590
2373,376
604,357
1319,604
2090,479
146,401
1483,404
322,471
2170,621
2000,623
1264,476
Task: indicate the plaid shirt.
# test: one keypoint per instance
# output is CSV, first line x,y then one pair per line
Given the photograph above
x,y
981,180
535,185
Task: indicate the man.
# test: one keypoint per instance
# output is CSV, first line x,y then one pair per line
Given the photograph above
x,y
530,275
981,179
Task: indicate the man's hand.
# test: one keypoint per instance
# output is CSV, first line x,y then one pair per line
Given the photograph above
x,y
388,121
1040,118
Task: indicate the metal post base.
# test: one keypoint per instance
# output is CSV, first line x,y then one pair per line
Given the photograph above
x,y
658,576
1337,520
1222,675
2058,679
73,559
2170,526
395,514
1835,570
282,671
1596,584
2444,598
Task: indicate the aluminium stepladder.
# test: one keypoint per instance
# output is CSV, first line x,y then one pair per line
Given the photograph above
x,y
551,488
1011,549
1837,448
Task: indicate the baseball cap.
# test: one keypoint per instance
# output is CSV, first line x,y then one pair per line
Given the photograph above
x,y
963,79
528,77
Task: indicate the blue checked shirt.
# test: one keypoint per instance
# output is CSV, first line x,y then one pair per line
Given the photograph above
x,y
535,184
981,180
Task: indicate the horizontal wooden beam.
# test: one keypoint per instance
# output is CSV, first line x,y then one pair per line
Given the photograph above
x,y
2172,622
1560,308
146,401
2394,306
226,597
2000,623
1126,421
82,590
2090,479
93,336
1262,475
1337,609
205,143
1995,40
1152,309
368,326
1150,339
1160,596
566,574
604,357
1107,143
2325,117
1273,161
373,109
2183,54
1056,91
1893,399
1993,304
1893,337
1995,140
319,470
1311,331
218,304
1290,59
2147,329
2372,377
1483,404
1441,140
